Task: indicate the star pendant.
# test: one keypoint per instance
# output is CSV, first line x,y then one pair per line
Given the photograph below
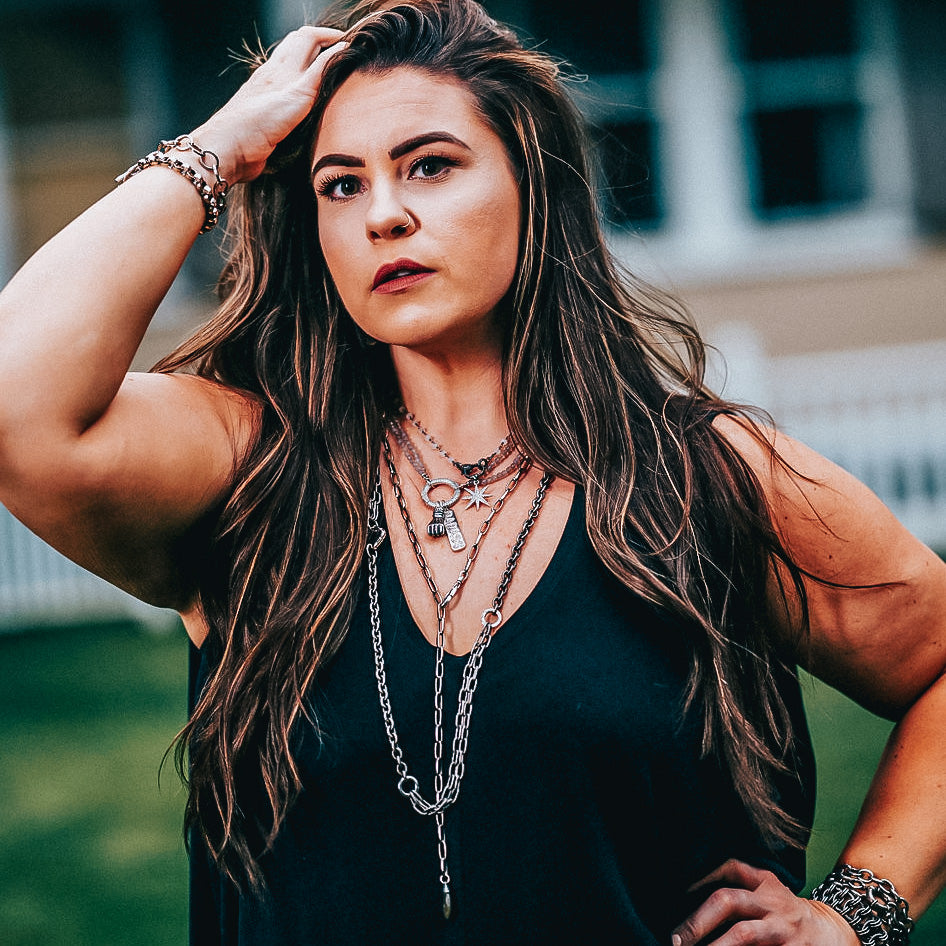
x,y
477,496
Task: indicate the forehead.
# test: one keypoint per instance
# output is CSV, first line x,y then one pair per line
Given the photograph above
x,y
374,110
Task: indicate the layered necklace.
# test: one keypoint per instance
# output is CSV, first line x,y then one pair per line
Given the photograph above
x,y
476,477
446,790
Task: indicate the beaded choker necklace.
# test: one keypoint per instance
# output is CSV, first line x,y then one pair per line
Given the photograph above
x,y
477,476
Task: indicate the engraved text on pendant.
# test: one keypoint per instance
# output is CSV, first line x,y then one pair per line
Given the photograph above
x,y
454,535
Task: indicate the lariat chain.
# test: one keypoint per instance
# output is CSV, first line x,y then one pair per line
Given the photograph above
x,y
445,793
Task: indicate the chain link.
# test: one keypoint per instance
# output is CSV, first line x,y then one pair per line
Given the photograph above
x,y
469,470
444,794
523,466
870,905
476,474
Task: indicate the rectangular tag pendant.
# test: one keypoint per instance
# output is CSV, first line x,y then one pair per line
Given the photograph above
x,y
454,535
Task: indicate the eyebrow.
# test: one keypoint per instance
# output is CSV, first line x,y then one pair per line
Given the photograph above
x,y
398,151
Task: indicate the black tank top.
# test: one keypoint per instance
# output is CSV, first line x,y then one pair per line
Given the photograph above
x,y
585,812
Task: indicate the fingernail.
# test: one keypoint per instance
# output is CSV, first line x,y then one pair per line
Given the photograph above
x,y
676,940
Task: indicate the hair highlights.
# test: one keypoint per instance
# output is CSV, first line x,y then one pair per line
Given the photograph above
x,y
603,386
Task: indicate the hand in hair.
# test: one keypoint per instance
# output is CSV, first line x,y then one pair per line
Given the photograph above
x,y
751,906
270,104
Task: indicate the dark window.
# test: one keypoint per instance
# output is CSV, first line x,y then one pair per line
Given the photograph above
x,y
795,29
900,482
627,155
596,36
62,67
930,479
807,158
614,44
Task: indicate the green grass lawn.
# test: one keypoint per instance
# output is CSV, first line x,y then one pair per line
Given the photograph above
x,y
90,845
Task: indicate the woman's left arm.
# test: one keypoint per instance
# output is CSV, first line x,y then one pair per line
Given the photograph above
x,y
878,634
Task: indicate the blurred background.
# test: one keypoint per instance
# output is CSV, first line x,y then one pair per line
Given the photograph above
x,y
779,165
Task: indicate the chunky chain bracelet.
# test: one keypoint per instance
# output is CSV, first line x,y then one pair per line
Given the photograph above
x,y
870,904
213,196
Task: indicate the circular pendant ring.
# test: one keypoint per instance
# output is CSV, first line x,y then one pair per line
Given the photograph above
x,y
442,482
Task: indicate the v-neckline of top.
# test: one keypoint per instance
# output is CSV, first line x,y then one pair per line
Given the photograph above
x,y
392,591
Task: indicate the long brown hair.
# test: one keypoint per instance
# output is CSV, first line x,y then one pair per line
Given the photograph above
x,y
603,383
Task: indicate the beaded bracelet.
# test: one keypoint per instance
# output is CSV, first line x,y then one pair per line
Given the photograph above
x,y
213,197
870,905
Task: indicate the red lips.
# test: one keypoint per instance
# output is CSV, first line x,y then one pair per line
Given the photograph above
x,y
399,274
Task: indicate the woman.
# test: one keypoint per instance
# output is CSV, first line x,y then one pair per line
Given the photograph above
x,y
418,307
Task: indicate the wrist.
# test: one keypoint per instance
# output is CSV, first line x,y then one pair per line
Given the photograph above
x,y
230,166
200,166
204,161
870,905
832,917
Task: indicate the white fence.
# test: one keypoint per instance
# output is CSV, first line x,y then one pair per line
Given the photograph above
x,y
38,586
879,412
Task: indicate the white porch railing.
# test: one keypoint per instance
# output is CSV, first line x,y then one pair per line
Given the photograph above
x,y
880,413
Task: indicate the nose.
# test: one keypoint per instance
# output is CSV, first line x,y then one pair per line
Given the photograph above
x,y
387,217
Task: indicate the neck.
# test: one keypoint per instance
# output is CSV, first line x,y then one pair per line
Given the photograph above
x,y
459,400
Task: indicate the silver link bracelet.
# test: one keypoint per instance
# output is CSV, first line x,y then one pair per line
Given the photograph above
x,y
870,905
213,196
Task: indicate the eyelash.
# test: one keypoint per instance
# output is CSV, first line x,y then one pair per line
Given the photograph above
x,y
326,187
442,159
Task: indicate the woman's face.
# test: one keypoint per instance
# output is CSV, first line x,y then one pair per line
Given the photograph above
x,y
418,210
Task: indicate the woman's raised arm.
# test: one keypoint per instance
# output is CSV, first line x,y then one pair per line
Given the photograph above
x,y
113,469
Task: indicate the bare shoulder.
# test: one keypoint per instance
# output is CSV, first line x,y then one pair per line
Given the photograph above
x,y
236,410
876,594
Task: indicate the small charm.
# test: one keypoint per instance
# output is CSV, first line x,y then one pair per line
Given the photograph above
x,y
447,903
476,495
452,528
437,527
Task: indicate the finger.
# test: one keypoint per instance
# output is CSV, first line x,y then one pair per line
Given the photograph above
x,y
750,933
304,44
721,908
319,63
733,874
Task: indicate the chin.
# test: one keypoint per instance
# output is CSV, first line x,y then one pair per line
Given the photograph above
x,y
427,331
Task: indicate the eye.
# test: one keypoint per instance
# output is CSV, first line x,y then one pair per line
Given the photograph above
x,y
431,166
340,187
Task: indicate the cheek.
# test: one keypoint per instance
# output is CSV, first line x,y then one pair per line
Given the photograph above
x,y
495,249
328,240
335,249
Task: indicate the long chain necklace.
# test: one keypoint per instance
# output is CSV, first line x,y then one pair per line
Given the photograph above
x,y
444,794
478,476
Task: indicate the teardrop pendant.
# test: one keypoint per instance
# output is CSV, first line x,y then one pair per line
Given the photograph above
x,y
447,902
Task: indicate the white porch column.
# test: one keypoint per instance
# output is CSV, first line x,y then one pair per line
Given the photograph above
x,y
146,68
699,97
887,145
737,366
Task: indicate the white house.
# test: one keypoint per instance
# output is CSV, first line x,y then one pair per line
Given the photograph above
x,y
780,165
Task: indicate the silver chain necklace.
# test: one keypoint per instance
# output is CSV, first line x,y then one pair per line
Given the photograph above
x,y
444,520
472,471
444,794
